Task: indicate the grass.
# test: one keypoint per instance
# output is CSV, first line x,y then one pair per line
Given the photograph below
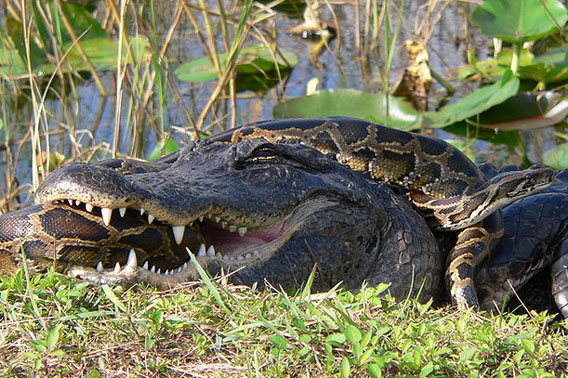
x,y
59,327
54,326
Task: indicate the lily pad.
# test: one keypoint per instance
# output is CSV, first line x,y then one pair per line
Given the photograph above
x,y
526,110
353,103
557,157
252,60
166,147
479,101
517,21
102,54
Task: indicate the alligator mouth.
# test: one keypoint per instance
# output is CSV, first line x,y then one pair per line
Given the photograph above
x,y
217,239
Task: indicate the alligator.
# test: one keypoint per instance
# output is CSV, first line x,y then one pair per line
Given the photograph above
x,y
270,202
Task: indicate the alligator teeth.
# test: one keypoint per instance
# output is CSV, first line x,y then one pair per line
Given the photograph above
x,y
70,202
224,224
145,266
184,266
201,218
132,260
217,218
178,233
117,267
99,267
242,231
122,211
89,207
153,269
232,228
77,203
201,252
106,213
167,272
210,251
159,271
142,211
150,218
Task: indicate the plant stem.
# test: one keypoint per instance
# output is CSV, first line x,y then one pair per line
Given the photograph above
x,y
516,58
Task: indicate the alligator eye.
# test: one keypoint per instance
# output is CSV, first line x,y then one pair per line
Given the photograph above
x,y
264,155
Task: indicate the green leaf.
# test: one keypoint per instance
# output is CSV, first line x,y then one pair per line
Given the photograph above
x,y
279,341
474,103
526,110
113,298
163,149
517,21
556,157
426,370
252,60
345,368
352,334
352,103
53,336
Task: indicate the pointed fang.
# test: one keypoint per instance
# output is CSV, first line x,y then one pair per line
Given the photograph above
x,y
201,252
178,233
145,266
132,260
122,211
99,267
89,207
242,231
210,251
117,267
150,218
106,213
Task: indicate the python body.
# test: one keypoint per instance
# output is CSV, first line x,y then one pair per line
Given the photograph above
x,y
439,180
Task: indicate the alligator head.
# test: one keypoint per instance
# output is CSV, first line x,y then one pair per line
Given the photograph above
x,y
257,210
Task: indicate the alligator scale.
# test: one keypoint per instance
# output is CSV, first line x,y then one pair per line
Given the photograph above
x,y
269,201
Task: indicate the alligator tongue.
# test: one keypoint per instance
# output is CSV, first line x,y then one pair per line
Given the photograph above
x,y
227,242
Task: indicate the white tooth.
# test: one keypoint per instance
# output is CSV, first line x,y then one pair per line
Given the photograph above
x,y
159,271
132,260
242,231
201,218
70,202
178,233
210,251
190,223
142,211
89,207
145,266
184,266
224,224
122,211
150,218
167,273
201,252
77,202
153,270
232,228
99,267
217,219
106,214
117,267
